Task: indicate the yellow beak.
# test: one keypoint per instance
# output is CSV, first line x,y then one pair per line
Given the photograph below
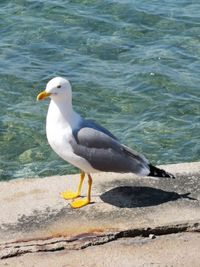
x,y
42,95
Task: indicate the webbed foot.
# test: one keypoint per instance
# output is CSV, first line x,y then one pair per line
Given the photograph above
x,y
79,203
69,195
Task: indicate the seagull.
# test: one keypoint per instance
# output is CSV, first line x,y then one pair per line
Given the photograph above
x,y
86,144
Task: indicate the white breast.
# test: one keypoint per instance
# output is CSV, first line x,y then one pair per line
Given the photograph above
x,y
59,133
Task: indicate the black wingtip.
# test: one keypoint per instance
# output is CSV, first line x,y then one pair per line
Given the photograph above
x,y
156,172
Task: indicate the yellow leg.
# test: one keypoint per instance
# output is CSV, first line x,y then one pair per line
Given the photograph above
x,y
80,202
71,195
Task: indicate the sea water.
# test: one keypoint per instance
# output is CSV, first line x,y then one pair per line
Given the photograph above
x,y
134,67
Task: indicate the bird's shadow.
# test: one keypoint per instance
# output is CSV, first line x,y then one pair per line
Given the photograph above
x,y
139,196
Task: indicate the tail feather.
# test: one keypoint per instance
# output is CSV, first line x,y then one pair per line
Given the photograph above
x,y
156,172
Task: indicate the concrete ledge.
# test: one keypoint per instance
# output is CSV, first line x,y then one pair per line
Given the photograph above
x,y
35,218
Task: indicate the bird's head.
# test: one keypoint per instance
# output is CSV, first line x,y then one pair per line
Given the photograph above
x,y
57,89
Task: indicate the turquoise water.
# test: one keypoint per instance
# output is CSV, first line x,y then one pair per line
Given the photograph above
x,y
134,67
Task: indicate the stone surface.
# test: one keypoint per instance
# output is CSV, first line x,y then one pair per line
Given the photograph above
x,y
35,218
176,250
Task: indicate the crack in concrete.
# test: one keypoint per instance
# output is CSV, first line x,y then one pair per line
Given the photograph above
x,y
53,244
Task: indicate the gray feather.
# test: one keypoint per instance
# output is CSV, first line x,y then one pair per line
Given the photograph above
x,y
103,151
92,125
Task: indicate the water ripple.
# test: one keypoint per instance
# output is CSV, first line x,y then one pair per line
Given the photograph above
x,y
137,61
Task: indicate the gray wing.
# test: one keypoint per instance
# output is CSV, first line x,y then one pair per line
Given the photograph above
x,y
93,125
104,152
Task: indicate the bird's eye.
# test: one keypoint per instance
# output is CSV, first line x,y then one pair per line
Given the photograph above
x,y
59,86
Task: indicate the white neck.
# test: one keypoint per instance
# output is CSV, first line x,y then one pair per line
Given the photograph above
x,y
62,113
